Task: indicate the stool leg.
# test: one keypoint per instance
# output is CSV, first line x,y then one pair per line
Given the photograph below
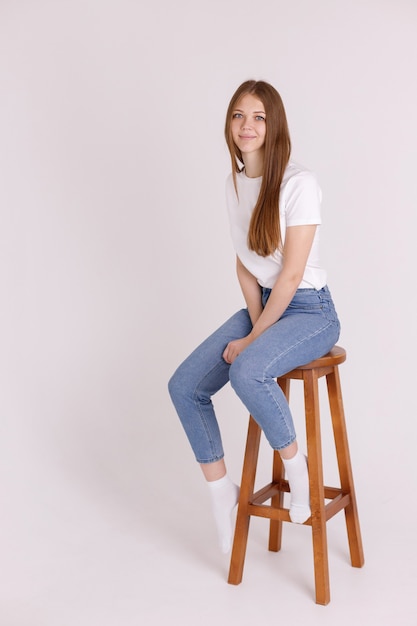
x,y
317,503
246,492
278,474
277,502
345,469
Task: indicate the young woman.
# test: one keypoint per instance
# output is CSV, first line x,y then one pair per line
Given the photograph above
x,y
289,319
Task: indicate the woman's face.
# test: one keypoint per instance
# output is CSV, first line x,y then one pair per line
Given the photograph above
x,y
248,125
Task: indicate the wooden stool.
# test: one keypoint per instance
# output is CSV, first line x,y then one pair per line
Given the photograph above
x,y
343,498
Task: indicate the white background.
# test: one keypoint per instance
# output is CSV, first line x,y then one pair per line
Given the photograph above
x,y
116,261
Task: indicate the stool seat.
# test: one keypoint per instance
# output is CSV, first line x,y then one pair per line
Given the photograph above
x,y
336,356
338,498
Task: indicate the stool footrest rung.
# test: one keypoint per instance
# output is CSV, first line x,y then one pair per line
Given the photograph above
x,y
270,490
269,512
337,504
274,488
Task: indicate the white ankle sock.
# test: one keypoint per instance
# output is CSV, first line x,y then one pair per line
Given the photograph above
x,y
224,496
297,474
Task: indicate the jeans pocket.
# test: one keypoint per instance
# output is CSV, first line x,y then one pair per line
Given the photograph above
x,y
306,300
327,306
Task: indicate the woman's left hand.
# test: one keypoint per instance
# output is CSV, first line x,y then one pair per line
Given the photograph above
x,y
235,347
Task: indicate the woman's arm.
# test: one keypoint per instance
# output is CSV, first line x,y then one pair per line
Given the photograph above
x,y
251,291
298,242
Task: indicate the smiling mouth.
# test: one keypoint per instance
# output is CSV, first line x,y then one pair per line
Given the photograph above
x,y
247,137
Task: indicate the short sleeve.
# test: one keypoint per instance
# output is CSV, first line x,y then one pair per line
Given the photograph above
x,y
301,202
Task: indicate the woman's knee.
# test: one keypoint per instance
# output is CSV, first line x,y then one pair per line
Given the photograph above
x,y
243,375
173,386
177,386
186,386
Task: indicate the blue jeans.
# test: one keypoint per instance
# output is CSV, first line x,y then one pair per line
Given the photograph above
x,y
307,330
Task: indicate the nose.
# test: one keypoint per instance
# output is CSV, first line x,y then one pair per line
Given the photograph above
x,y
245,123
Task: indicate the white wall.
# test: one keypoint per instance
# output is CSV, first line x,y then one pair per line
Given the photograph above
x,y
115,252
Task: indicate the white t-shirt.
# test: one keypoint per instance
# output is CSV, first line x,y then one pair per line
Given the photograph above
x,y
300,200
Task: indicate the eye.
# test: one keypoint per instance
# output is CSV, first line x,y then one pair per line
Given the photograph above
x,y
237,115
259,118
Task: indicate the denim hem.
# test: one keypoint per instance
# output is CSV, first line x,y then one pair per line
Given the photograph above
x,y
206,462
285,446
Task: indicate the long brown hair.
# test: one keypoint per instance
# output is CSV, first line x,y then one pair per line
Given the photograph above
x,y
264,235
